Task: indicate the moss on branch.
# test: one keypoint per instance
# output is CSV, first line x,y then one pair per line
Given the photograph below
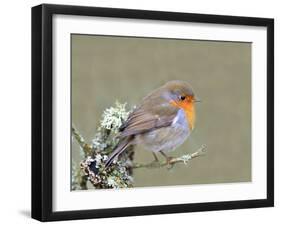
x,y
93,156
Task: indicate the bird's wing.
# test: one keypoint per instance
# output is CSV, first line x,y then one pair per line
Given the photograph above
x,y
146,118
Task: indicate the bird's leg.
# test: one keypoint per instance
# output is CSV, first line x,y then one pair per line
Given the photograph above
x,y
155,157
156,162
168,159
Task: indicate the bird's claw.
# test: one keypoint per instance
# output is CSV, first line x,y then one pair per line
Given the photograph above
x,y
169,163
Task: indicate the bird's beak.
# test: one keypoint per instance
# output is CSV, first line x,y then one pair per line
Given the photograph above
x,y
196,99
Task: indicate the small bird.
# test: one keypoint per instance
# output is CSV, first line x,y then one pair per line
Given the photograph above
x,y
161,122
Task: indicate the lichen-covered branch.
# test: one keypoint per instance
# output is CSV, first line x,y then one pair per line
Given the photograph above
x,y
119,174
93,156
182,159
87,149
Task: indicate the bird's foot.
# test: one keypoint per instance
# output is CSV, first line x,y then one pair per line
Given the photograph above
x,y
169,162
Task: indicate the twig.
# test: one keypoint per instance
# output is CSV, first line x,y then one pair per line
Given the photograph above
x,y
184,159
86,147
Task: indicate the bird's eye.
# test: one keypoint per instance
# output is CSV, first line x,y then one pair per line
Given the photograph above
x,y
182,97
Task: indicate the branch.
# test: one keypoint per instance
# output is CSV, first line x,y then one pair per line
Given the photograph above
x,y
184,159
87,149
93,170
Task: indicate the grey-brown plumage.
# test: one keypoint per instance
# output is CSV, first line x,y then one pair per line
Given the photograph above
x,y
156,123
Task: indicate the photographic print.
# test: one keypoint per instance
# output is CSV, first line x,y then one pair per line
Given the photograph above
x,y
138,112
159,112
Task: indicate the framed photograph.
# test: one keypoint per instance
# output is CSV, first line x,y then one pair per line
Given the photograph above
x,y
145,112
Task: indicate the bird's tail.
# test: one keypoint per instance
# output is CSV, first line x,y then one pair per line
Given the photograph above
x,y
118,150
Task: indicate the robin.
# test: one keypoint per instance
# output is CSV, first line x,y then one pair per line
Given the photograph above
x,y
161,122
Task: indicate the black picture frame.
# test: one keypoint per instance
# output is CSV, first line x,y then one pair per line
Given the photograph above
x,y
42,103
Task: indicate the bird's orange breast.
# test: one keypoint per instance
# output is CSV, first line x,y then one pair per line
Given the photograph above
x,y
189,110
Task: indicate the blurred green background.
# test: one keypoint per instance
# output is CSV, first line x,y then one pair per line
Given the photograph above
x,y
108,68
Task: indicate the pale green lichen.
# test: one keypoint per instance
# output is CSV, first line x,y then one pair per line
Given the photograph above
x,y
98,142
113,117
185,158
118,175
112,182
